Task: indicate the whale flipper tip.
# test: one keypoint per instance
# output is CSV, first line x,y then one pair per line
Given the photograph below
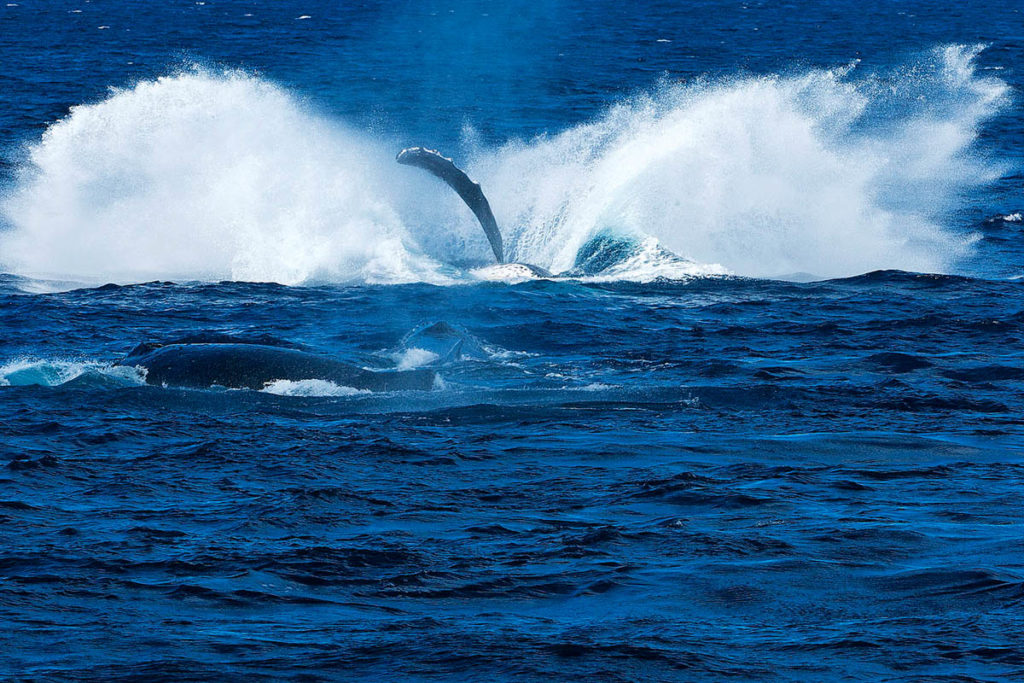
x,y
444,168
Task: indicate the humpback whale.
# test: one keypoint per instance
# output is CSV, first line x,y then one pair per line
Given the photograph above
x,y
204,362
444,168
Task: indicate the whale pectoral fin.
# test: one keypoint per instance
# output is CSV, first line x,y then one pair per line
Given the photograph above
x,y
454,354
142,349
441,166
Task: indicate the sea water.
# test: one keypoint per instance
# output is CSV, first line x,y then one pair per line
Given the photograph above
x,y
767,424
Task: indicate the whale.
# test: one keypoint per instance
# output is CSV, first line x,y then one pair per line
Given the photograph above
x,y
472,194
448,342
221,361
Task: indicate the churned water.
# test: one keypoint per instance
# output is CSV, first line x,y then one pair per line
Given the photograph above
x,y
766,425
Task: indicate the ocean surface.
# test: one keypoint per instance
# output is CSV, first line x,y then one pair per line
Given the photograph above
x,y
765,425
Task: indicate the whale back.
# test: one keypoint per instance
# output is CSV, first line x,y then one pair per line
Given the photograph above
x,y
441,166
253,366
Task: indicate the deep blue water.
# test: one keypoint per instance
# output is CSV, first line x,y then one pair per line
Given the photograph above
x,y
766,426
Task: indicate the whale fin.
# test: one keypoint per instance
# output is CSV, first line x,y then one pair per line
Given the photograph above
x,y
443,167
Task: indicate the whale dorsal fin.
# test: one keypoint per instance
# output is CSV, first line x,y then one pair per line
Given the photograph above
x,y
442,167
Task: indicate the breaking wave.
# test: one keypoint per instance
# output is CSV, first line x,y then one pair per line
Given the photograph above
x,y
207,175
53,373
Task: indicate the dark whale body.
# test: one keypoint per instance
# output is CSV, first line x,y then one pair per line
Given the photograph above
x,y
437,164
253,366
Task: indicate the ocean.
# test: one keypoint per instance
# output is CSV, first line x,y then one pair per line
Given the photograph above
x,y
763,424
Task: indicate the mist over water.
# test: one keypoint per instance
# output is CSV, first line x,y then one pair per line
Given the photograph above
x,y
221,175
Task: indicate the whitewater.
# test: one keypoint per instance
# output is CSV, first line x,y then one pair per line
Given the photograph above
x,y
210,174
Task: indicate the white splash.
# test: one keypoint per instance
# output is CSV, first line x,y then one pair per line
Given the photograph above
x,y
818,173
310,387
504,272
414,358
207,176
650,262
